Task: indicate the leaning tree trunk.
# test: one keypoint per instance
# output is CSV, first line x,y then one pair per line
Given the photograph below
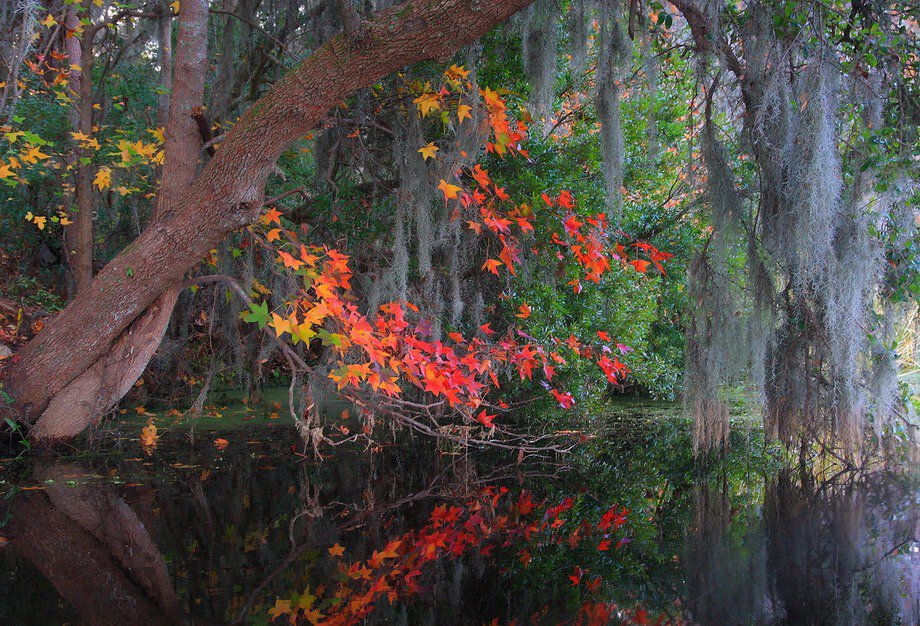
x,y
86,398
228,193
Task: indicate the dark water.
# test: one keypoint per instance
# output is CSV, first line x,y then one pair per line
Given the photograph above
x,y
627,530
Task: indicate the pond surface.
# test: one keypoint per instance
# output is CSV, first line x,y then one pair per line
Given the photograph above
x,y
240,527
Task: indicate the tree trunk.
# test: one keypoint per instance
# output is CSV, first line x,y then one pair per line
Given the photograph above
x,y
183,140
229,192
165,59
85,399
79,233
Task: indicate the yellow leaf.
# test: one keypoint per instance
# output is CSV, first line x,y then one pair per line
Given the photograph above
x,y
33,155
282,325
6,171
157,134
103,178
428,102
428,151
463,112
273,235
49,21
175,6
282,607
450,191
39,220
457,71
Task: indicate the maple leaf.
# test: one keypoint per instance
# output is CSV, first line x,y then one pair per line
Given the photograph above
x,y
604,336
572,225
428,102
481,175
282,325
33,155
566,201
428,151
289,260
476,227
220,443
103,178
450,191
272,215
464,111
525,311
258,313
282,607
273,235
38,220
337,550
486,419
457,71
640,265
492,265
6,170
565,399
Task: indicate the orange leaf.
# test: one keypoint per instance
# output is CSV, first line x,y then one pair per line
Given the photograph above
x,y
290,261
450,191
525,311
272,215
220,444
492,265
337,550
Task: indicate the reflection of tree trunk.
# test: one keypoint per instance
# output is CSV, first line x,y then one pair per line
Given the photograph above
x,y
228,193
95,551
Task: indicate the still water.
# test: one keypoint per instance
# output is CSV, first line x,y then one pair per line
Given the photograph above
x,y
240,527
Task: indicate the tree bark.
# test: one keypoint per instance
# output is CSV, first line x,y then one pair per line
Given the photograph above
x,y
183,140
79,233
165,60
85,399
228,193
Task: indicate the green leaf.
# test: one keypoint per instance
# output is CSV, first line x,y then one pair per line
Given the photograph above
x,y
258,314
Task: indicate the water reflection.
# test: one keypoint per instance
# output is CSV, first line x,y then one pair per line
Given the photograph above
x,y
93,549
199,535
843,551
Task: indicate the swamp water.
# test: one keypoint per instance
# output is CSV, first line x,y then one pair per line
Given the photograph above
x,y
240,527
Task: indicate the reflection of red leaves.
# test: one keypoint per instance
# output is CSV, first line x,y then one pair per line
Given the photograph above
x,y
392,572
576,575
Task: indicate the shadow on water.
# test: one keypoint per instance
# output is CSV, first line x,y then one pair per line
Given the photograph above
x,y
633,531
